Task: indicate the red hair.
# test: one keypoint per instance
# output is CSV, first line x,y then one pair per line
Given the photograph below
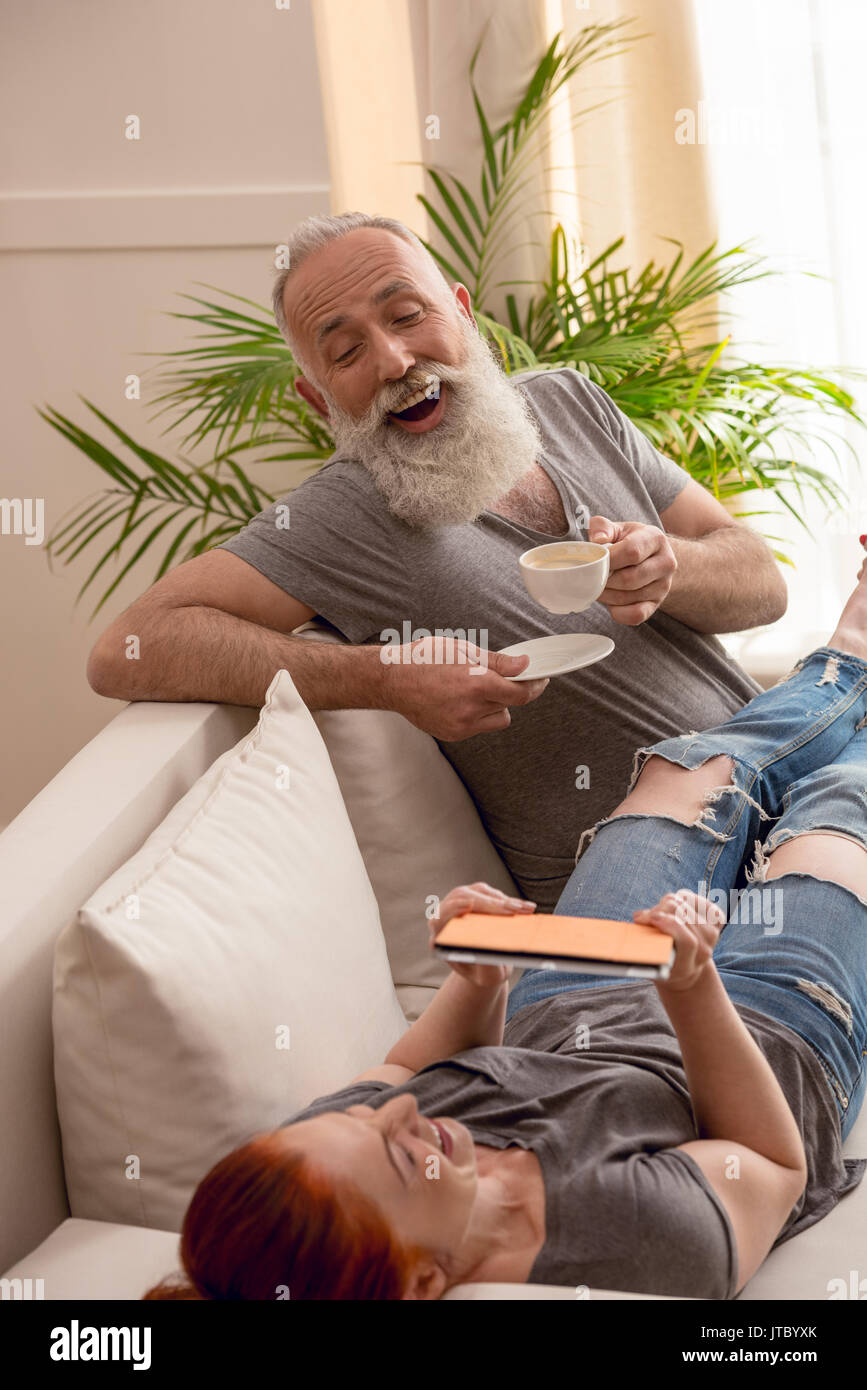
x,y
266,1224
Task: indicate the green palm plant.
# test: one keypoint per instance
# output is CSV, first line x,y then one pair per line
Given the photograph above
x,y
648,337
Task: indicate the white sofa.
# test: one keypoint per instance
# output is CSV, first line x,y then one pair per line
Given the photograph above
x,y
87,822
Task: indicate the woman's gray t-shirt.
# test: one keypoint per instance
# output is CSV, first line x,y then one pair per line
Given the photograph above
x,y
593,1083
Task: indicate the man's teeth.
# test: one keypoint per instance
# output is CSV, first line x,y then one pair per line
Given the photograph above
x,y
429,393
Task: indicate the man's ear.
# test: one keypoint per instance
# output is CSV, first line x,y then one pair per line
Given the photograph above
x,y
307,391
427,1281
465,303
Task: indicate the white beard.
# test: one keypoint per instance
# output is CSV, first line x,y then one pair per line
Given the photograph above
x,y
485,443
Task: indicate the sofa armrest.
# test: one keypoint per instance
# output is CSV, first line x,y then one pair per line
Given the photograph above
x,y
87,821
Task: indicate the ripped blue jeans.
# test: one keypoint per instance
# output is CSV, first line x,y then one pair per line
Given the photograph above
x,y
794,947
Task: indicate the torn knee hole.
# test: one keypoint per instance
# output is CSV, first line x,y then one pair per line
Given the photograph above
x,y
831,672
758,871
826,996
662,793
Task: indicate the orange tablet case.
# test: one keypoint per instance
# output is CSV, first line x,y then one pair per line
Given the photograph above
x,y
576,939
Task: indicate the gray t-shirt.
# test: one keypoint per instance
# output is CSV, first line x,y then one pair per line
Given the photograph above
x,y
624,1209
365,572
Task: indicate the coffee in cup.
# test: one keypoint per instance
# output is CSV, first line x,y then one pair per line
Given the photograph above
x,y
565,576
554,562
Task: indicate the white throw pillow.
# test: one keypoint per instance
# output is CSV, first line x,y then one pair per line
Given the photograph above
x,y
416,825
230,972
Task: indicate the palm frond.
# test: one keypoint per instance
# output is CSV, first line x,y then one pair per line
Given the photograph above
x,y
473,228
163,490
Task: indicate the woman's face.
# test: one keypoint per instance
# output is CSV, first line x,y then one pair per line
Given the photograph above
x,y
421,1172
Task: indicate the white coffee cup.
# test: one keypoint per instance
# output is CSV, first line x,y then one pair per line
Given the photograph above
x,y
565,576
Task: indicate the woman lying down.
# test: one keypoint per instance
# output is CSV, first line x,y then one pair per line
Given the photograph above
x,y
618,1134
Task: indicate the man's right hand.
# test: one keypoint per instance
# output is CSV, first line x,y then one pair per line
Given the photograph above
x,y
452,689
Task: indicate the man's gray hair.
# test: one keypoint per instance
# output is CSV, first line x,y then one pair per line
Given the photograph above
x,y
312,235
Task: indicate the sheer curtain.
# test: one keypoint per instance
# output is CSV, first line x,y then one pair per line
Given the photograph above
x,y
369,107
786,142
632,178
396,94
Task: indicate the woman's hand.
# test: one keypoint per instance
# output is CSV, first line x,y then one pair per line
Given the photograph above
x,y
695,925
477,897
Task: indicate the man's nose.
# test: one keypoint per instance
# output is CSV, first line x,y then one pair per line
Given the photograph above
x,y
392,358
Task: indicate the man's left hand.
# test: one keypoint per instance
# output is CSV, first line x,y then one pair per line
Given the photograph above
x,y
642,567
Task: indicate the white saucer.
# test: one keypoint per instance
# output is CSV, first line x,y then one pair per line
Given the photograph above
x,y
562,652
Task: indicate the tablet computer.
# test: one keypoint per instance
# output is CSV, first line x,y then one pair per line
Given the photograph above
x,y
589,945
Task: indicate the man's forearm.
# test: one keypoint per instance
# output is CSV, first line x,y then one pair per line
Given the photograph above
x,y
735,1094
726,581
198,653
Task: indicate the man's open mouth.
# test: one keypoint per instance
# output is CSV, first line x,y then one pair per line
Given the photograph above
x,y
419,405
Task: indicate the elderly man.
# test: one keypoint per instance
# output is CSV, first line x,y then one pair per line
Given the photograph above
x,y
445,470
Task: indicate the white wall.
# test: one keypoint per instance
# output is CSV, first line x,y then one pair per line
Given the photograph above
x,y
97,235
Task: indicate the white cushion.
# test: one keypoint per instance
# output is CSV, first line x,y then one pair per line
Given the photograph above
x,y
98,1260
416,825
95,1260
245,922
